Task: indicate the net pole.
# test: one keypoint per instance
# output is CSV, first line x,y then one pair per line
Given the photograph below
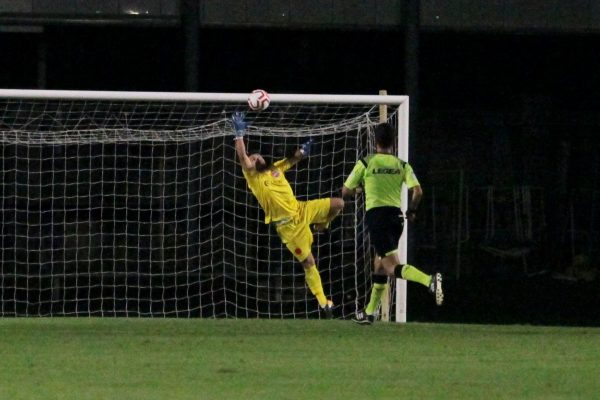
x,y
82,95
402,245
386,297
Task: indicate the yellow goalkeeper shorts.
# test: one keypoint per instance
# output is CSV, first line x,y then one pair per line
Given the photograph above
x,y
296,234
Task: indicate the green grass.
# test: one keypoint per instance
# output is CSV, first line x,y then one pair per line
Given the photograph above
x,y
292,359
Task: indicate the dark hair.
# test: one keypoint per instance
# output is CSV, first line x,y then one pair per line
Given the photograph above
x,y
263,167
385,135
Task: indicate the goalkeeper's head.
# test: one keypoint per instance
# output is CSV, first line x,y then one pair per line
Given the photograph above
x,y
260,163
385,135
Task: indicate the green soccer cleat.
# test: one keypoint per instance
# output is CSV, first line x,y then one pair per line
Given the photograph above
x,y
362,318
435,288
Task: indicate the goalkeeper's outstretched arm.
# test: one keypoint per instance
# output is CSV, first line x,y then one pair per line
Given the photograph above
x,y
300,152
239,126
240,149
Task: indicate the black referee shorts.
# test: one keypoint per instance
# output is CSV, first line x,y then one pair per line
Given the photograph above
x,y
385,226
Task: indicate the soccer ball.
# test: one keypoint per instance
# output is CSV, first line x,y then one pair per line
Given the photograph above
x,y
259,100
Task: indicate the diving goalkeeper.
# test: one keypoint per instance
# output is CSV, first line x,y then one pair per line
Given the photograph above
x,y
292,218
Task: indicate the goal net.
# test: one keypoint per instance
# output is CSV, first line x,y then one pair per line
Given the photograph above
x,y
133,204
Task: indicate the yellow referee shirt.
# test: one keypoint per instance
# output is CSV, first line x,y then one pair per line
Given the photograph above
x,y
382,176
273,191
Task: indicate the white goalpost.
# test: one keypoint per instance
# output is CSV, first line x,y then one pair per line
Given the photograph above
x,y
132,204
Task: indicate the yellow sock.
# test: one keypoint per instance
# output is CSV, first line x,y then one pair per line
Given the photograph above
x,y
410,273
376,293
313,280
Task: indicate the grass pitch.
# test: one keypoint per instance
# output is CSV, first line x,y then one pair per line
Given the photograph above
x,y
108,358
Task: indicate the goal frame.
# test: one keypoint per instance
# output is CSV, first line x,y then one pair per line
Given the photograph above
x,y
401,102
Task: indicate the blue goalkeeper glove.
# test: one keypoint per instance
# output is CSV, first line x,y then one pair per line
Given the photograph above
x,y
239,124
305,147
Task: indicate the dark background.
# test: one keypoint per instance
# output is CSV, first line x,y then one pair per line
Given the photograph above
x,y
505,109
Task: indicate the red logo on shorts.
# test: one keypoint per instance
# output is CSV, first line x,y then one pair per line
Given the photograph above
x,y
298,251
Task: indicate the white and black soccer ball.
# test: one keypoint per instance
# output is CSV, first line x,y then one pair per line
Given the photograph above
x,y
259,100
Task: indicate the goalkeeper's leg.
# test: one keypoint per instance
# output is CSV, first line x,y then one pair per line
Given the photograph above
x,y
298,240
313,280
336,205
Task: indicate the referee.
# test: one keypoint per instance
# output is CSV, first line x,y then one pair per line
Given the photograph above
x,y
381,176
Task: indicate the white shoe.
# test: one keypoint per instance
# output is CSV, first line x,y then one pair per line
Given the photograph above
x,y
435,288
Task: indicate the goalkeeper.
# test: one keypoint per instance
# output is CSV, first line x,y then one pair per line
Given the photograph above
x,y
382,175
292,218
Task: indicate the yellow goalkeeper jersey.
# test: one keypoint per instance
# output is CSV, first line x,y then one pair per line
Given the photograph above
x,y
273,191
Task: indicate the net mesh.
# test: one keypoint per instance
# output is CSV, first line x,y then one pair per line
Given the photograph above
x,y
140,209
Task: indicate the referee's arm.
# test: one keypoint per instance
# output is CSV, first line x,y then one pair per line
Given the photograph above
x,y
347,192
352,185
415,194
